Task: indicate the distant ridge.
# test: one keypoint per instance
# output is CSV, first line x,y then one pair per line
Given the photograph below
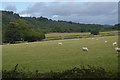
x,y
48,25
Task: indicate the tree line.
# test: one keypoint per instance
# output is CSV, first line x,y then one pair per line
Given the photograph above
x,y
16,28
48,25
19,31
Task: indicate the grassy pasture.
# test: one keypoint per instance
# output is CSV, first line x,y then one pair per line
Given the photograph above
x,y
64,34
48,55
58,36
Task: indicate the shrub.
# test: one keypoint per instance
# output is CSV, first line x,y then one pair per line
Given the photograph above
x,y
83,72
15,31
95,32
33,35
19,31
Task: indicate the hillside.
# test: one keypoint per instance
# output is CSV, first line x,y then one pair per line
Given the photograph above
x,y
48,25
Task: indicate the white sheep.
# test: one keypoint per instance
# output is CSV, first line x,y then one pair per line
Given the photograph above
x,y
85,49
59,43
115,44
96,39
26,43
117,49
8,44
106,41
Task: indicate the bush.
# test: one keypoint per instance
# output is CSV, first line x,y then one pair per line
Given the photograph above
x,y
14,31
33,35
19,31
83,72
95,32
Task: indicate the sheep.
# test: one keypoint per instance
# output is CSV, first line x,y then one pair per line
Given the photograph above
x,y
115,44
26,43
106,41
117,49
96,39
8,44
85,49
59,43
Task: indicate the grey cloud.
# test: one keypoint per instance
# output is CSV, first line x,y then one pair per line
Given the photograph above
x,y
101,19
87,12
11,8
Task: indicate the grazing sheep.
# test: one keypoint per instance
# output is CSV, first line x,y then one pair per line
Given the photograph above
x,y
85,49
115,44
117,49
106,41
60,43
96,39
26,43
8,44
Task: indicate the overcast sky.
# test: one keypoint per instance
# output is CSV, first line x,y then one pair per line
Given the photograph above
x,y
82,12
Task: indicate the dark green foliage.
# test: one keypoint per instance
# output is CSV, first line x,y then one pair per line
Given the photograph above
x,y
83,72
33,35
12,33
15,31
19,31
8,16
58,29
16,28
95,32
48,25
117,26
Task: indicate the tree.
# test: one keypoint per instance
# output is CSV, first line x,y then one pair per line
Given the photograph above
x,y
33,35
12,33
95,32
58,29
23,28
19,31
117,26
15,31
49,25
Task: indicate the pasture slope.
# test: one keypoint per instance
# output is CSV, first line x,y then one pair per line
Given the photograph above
x,y
48,55
58,36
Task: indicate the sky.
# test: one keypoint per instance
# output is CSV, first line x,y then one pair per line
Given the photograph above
x,y
80,12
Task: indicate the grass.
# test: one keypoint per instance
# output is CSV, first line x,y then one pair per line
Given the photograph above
x,y
58,36
48,55
77,73
64,34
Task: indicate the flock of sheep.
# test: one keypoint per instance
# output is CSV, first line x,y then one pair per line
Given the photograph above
x,y
86,49
117,49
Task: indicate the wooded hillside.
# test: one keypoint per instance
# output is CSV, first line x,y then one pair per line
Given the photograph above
x,y
48,25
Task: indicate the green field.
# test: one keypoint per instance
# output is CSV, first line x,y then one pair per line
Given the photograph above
x,y
85,33
58,36
48,55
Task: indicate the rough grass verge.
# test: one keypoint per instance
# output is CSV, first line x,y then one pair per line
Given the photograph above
x,y
83,72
